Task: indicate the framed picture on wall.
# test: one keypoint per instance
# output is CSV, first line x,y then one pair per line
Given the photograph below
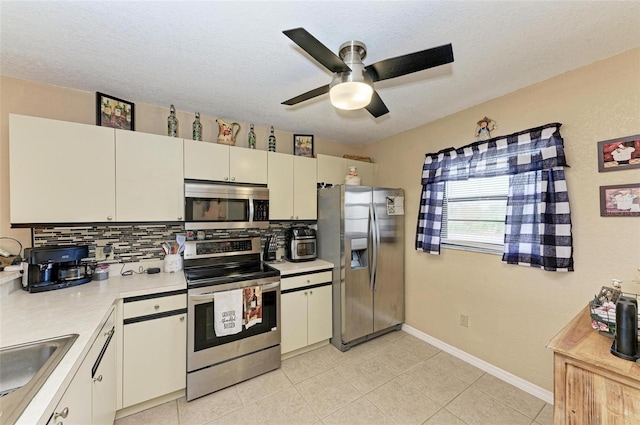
x,y
619,154
114,112
621,200
303,145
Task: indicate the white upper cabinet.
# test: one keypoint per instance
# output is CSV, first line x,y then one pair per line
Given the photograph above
x,y
217,162
149,177
292,187
333,170
60,172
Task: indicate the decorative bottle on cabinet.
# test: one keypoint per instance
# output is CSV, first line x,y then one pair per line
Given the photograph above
x,y
197,128
272,140
172,123
252,137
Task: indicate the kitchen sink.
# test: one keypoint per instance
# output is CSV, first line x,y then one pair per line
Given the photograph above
x,y
24,369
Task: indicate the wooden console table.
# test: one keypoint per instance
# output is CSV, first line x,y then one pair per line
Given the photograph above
x,y
591,385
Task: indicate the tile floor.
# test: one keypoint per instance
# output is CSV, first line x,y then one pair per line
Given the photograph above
x,y
393,379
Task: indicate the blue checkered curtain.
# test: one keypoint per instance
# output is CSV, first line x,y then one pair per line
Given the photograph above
x,y
538,220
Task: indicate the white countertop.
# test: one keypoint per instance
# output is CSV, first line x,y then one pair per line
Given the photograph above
x,y
287,267
82,310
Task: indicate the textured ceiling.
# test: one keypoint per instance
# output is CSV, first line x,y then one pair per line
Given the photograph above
x,y
231,60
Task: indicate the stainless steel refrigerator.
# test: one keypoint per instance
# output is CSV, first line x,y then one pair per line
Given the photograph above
x,y
361,231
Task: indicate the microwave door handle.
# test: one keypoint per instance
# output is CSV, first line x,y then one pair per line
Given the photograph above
x,y
251,210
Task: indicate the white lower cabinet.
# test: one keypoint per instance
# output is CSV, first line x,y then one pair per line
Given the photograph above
x,y
154,349
90,398
306,311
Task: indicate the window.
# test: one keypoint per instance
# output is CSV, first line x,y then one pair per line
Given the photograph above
x,y
473,215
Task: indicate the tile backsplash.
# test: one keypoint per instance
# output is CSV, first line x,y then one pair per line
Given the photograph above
x,y
142,242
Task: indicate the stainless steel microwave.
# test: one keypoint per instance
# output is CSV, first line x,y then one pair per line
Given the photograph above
x,y
220,206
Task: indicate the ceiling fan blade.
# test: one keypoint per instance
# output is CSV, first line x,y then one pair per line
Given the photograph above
x,y
413,62
308,95
376,107
317,50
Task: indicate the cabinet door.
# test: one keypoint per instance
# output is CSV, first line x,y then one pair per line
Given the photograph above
x,y
280,183
331,169
294,321
247,165
154,359
206,161
149,177
304,188
74,407
60,172
319,314
104,387
366,171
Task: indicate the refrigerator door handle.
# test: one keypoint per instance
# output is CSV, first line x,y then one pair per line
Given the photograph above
x,y
374,246
372,251
376,233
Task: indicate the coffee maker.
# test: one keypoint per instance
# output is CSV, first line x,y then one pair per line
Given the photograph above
x,y
55,267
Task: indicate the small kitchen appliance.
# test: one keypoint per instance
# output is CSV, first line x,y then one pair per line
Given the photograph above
x,y
300,244
55,267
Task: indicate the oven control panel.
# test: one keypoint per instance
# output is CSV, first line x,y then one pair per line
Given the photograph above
x,y
221,247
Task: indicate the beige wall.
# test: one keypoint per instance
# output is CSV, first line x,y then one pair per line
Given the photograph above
x,y
515,310
46,101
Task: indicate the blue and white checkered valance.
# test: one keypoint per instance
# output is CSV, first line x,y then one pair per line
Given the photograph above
x,y
538,219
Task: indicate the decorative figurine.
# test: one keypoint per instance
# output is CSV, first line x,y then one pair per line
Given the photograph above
x,y
197,128
252,137
272,140
226,135
352,177
484,128
172,122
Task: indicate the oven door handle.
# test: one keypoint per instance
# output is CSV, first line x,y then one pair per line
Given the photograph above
x,y
212,295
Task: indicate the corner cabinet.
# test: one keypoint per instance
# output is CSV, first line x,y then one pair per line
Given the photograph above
x,y
149,177
306,312
217,162
333,170
154,359
90,398
292,187
60,172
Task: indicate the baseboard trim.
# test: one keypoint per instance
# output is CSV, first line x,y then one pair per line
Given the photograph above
x,y
510,378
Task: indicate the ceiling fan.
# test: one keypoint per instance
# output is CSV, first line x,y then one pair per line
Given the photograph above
x,y
352,84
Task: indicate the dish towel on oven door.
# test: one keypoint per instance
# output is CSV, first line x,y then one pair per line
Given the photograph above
x,y
252,306
227,312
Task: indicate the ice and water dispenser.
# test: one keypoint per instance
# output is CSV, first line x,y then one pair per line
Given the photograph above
x,y
359,254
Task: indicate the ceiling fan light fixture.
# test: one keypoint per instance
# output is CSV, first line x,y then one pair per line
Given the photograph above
x,y
351,95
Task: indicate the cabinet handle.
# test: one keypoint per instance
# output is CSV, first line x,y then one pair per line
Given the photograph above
x,y
99,379
296,217
63,414
310,292
156,306
233,179
182,318
305,292
226,179
179,218
291,217
109,218
308,281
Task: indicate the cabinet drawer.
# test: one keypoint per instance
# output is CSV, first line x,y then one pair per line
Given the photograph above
x,y
154,306
305,280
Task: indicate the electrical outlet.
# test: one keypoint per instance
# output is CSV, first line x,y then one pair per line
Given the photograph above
x,y
464,320
104,253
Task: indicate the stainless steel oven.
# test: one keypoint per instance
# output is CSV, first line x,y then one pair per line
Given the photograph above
x,y
220,206
215,362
